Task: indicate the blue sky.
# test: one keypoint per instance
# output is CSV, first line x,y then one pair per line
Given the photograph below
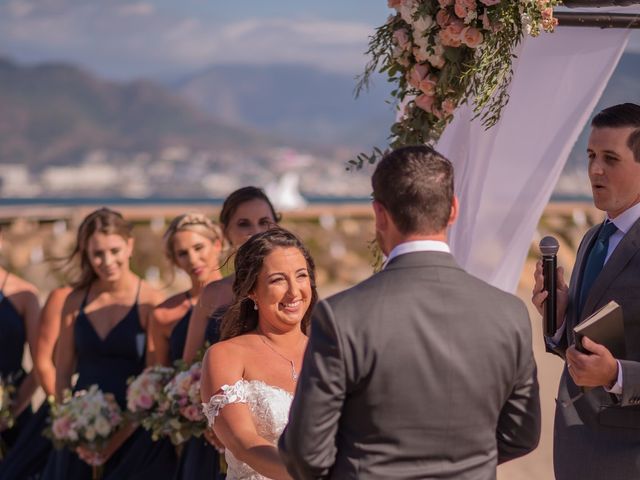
x,y
124,39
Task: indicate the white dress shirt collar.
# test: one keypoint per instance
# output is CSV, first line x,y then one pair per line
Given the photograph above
x,y
417,246
626,219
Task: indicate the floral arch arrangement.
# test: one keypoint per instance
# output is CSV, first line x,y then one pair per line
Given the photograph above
x,y
443,53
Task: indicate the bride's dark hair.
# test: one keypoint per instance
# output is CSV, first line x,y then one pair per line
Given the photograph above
x,y
241,316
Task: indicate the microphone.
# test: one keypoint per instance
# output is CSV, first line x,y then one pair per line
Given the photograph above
x,y
549,248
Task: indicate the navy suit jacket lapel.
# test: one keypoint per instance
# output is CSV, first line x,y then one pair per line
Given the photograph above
x,y
620,257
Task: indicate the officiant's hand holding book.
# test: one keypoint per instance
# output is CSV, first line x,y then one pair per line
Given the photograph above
x,y
606,327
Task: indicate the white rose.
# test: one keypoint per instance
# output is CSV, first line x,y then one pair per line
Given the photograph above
x,y
423,24
102,426
90,434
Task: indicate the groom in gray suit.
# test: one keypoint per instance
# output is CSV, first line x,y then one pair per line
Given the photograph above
x,y
421,371
597,435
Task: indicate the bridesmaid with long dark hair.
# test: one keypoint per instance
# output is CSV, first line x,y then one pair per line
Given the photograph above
x,y
19,312
192,243
244,213
103,330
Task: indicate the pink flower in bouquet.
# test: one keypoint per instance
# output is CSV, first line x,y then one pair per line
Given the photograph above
x,y
472,37
489,3
425,102
428,85
463,8
394,3
446,3
192,412
401,38
450,36
62,428
417,74
443,18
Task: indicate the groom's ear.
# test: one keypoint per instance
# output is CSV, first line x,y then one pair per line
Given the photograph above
x,y
381,216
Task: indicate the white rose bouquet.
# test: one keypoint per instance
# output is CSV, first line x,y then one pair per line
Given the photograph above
x,y
87,419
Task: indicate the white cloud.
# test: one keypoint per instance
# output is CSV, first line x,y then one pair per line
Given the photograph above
x,y
136,9
123,39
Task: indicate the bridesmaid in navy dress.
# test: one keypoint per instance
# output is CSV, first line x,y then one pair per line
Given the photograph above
x,y
19,312
245,212
29,455
102,334
192,243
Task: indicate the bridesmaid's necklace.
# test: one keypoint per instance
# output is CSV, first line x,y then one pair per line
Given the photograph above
x,y
294,374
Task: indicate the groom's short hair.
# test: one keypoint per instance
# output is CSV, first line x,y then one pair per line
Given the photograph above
x,y
415,185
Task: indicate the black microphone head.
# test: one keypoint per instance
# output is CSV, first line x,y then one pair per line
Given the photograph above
x,y
549,246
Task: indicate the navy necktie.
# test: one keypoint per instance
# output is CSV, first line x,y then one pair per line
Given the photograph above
x,y
596,258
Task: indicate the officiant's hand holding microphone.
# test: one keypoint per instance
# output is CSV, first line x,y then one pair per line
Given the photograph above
x,y
598,368
552,320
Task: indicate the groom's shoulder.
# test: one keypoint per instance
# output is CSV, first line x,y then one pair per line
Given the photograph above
x,y
362,293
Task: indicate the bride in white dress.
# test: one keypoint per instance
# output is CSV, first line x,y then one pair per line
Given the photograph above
x,y
249,377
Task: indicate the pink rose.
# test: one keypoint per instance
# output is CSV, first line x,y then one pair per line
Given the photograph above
x,y
472,37
445,3
488,3
443,18
436,61
425,102
145,401
417,74
462,8
401,38
428,85
449,37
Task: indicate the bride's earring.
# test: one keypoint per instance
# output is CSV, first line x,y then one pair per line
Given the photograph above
x,y
255,305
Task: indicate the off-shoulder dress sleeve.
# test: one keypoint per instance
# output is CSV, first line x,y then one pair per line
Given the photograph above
x,y
235,393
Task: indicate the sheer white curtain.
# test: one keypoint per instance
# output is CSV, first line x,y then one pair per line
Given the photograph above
x,y
505,176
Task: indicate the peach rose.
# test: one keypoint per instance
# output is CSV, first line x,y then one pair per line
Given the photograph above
x,y
425,102
443,18
417,74
436,60
428,85
463,8
401,38
472,37
449,37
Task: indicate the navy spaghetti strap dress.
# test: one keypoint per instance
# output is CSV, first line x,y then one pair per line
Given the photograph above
x,y
107,362
13,336
199,460
149,460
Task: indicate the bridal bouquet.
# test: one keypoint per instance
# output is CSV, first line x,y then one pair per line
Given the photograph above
x,y
145,392
440,54
87,419
179,414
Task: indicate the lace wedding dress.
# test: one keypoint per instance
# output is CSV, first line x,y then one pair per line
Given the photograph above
x,y
269,407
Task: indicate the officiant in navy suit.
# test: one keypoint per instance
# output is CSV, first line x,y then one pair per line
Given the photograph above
x,y
597,435
421,371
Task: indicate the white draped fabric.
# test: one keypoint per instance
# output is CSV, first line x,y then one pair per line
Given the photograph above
x,y
505,176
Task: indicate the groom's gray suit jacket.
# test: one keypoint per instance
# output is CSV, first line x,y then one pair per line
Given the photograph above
x,y
598,436
421,371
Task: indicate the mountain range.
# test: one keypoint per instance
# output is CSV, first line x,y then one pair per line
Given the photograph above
x,y
294,102
55,113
